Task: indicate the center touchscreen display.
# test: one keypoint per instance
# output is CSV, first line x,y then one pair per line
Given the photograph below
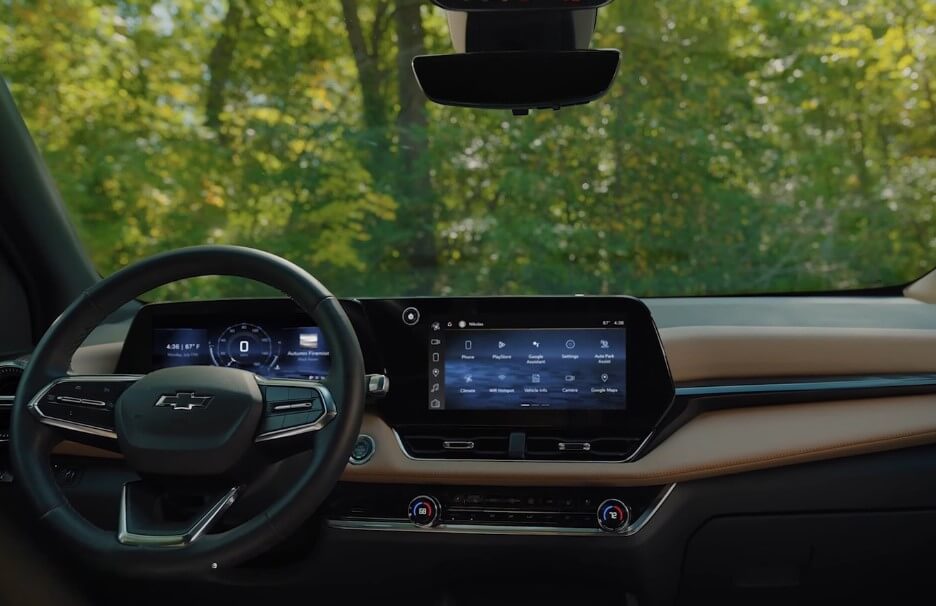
x,y
474,368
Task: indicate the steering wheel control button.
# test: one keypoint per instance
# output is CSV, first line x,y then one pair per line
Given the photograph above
x,y
613,515
293,407
424,511
363,450
283,400
410,316
301,394
275,395
271,423
298,419
93,394
82,404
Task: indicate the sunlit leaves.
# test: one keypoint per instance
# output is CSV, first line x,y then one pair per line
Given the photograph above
x,y
747,145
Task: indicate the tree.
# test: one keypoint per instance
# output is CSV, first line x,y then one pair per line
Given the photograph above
x,y
768,146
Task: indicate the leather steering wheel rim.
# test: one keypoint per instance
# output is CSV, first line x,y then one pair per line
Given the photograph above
x,y
31,442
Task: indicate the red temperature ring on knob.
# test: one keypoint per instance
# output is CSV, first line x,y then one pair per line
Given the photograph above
x,y
424,511
613,515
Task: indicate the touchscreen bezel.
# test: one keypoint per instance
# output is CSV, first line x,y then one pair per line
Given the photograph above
x,y
649,386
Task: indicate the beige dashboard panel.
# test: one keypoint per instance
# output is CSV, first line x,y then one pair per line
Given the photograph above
x,y
712,444
723,352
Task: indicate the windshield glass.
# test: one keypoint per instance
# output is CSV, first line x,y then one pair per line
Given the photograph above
x,y
746,146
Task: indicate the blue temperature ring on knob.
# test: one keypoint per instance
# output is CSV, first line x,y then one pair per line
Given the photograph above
x,y
613,515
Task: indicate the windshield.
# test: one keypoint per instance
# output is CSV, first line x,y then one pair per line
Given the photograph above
x,y
746,146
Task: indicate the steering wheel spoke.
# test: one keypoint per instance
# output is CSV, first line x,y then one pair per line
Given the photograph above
x,y
293,408
143,519
82,406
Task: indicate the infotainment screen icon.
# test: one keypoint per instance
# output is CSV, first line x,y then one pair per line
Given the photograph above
x,y
529,368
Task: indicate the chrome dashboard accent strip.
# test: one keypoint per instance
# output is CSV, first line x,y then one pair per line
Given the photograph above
x,y
326,417
103,432
199,528
493,529
817,385
458,445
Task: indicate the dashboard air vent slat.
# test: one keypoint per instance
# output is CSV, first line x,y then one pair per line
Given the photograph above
x,y
456,443
432,442
10,374
565,447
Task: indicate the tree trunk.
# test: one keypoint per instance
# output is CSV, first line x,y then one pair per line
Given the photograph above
x,y
414,184
219,66
376,123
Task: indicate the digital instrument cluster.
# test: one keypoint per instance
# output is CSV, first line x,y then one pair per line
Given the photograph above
x,y
268,349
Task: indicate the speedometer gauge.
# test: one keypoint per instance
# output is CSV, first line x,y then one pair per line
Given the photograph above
x,y
245,346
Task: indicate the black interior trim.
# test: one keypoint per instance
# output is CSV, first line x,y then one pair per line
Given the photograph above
x,y
36,235
811,388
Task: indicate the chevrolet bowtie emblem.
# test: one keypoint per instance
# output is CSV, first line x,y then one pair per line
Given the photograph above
x,y
184,401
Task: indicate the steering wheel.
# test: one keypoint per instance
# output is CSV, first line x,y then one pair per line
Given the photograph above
x,y
197,436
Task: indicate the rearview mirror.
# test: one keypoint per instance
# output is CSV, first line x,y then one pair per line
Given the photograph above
x,y
517,80
515,5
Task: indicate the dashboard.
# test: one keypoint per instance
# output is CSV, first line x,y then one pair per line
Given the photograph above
x,y
614,438
535,415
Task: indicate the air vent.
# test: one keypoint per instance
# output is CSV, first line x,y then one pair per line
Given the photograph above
x,y
579,447
433,442
10,375
455,443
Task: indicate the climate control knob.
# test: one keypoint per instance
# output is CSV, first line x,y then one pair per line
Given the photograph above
x,y
424,511
613,515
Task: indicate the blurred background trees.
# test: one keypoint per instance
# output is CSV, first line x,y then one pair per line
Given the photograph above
x,y
746,146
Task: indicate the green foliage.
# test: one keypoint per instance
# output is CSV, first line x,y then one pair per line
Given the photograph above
x,y
746,146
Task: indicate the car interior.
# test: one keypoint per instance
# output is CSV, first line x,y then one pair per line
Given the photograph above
x,y
437,414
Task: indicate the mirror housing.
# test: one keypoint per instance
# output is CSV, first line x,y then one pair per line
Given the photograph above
x,y
518,55
517,5
517,80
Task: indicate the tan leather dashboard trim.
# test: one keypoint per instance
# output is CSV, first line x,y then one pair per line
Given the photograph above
x,y
712,444
697,353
